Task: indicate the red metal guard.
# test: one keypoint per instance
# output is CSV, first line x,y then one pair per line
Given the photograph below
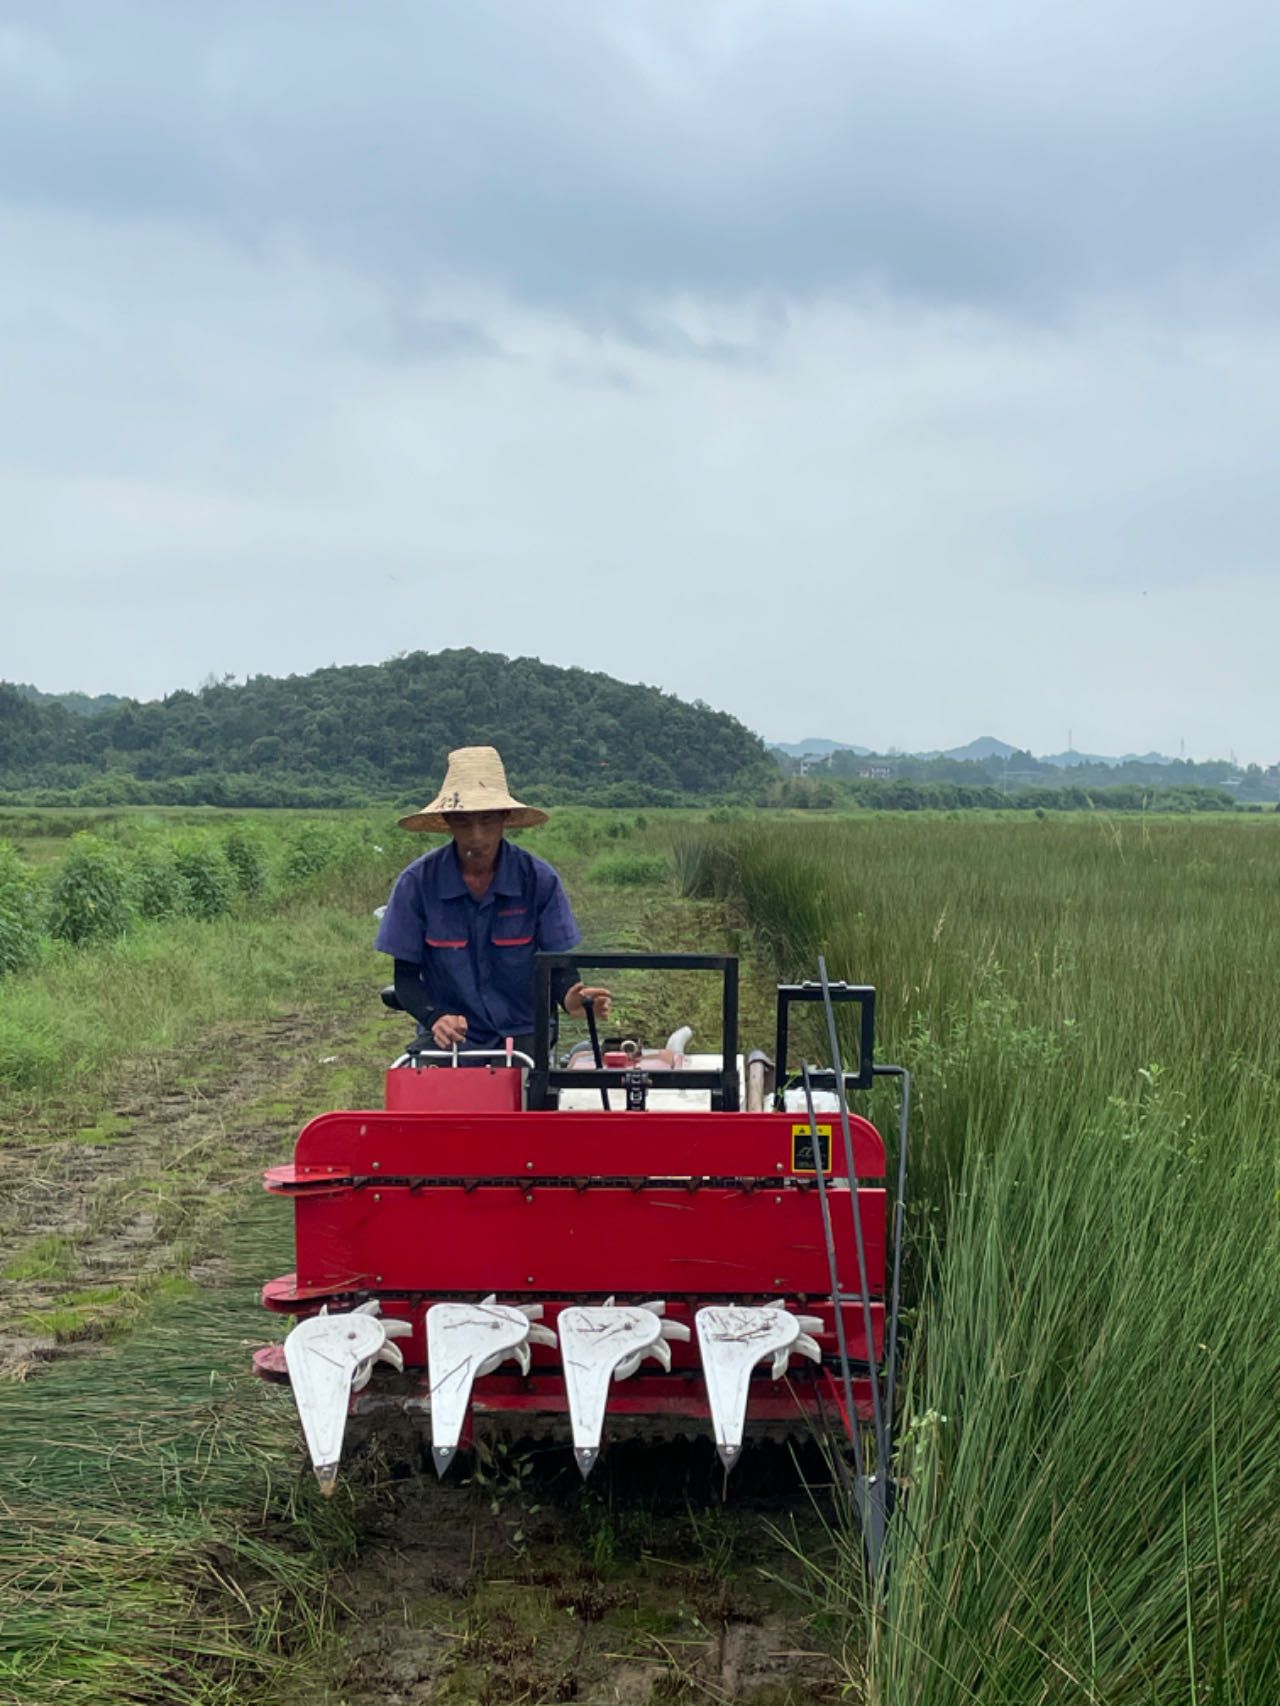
x,y
419,1205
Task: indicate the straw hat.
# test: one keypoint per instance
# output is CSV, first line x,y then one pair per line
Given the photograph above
x,y
474,782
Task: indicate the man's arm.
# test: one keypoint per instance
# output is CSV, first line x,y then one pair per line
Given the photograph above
x,y
401,935
558,933
563,979
413,996
448,1030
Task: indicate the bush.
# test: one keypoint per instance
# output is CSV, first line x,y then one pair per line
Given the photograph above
x,y
208,878
19,913
159,888
89,900
248,862
313,849
630,870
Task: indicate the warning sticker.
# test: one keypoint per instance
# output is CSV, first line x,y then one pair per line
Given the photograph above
x,y
802,1148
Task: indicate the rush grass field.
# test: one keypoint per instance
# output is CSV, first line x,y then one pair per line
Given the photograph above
x,y
1091,1009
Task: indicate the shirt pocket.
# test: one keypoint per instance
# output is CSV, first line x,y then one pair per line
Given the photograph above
x,y
512,927
444,932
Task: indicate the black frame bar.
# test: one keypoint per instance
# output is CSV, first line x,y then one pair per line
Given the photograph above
x,y
865,996
546,1080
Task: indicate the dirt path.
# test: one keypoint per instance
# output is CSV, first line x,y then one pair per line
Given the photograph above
x,y
97,1219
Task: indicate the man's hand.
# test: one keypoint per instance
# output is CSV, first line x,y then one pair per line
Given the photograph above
x,y
450,1030
574,998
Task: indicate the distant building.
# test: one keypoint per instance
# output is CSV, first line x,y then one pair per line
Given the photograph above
x,y
876,772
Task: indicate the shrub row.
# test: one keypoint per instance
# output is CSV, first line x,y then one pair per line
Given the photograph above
x,y
19,912
102,889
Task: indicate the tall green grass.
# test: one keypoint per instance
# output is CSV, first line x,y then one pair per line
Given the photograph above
x,y
162,1541
1093,1379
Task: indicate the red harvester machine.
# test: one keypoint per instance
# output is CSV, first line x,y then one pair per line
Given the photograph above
x,y
612,1244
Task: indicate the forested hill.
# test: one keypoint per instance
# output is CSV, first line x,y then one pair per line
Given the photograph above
x,y
379,731
83,704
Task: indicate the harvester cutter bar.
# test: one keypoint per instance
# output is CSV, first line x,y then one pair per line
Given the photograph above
x,y
281,1297
539,1407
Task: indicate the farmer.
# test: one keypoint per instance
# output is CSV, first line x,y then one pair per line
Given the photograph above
x,y
464,920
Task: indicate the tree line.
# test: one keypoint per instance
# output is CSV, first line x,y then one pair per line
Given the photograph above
x,y
353,733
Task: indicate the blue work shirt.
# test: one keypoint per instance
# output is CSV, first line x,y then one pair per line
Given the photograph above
x,y
477,955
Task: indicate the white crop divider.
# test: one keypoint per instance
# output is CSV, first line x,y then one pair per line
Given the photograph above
x,y
329,1357
464,1341
732,1339
604,1342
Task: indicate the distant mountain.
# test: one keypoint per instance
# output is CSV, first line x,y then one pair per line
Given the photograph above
x,y
979,751
815,744
986,746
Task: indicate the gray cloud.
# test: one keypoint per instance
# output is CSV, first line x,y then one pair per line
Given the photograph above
x,y
587,156
899,371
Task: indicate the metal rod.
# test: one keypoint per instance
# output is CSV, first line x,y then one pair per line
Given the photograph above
x,y
730,1091
454,1055
891,1366
589,1008
837,1299
877,1414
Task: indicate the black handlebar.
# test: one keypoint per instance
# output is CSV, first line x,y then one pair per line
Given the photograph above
x,y
546,1081
865,996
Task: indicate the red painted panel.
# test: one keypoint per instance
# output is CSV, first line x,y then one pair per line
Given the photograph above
x,y
554,1239
473,1089
569,1145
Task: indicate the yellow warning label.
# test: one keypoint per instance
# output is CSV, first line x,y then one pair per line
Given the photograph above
x,y
802,1148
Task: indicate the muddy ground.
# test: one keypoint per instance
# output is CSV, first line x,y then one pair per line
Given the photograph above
x,y
651,1583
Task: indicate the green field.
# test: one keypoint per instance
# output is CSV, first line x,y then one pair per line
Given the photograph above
x,y
1090,1009
163,1537
1088,1006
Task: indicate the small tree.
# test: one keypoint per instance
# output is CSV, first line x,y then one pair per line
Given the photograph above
x,y
89,901
247,860
208,878
159,888
19,913
314,848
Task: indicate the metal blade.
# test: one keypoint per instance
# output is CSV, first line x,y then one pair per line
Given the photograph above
x,y
595,1343
327,1356
465,1340
732,1340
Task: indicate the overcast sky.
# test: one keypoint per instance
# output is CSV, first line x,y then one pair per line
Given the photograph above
x,y
896,371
